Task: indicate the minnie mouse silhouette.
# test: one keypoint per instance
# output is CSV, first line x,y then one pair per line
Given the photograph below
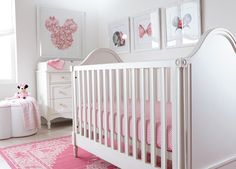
x,y
61,36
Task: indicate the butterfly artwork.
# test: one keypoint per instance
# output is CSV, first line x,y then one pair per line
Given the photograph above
x,y
180,23
146,31
142,31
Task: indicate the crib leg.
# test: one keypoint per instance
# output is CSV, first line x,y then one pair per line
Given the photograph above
x,y
75,151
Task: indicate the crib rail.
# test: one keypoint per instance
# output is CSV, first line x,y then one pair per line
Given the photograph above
x,y
114,104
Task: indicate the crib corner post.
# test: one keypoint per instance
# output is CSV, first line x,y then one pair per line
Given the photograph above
x,y
181,86
75,151
74,144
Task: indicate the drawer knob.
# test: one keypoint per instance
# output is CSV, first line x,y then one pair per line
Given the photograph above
x,y
63,93
62,105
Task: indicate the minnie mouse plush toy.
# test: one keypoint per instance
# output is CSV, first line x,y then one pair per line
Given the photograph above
x,y
22,93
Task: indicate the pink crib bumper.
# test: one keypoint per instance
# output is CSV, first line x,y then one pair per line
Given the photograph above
x,y
147,118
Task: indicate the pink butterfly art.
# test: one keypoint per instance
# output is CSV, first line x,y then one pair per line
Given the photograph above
x,y
143,31
61,36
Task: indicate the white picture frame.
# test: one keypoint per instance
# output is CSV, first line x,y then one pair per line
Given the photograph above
x,y
146,31
60,33
119,36
183,24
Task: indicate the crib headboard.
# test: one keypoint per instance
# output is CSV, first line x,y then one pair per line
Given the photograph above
x,y
212,67
101,56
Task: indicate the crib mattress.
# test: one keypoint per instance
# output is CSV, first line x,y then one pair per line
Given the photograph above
x,y
147,118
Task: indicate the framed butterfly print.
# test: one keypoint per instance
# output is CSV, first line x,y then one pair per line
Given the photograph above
x,y
119,36
183,24
146,34
59,33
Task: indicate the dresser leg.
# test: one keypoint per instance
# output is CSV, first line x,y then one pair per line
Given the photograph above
x,y
49,124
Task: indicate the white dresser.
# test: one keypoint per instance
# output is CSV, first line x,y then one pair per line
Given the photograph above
x,y
54,91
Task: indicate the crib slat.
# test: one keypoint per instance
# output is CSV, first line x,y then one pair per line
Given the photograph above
x,y
126,117
99,106
168,91
105,106
89,105
111,108
142,115
152,118
188,120
163,119
75,99
79,102
156,76
93,107
84,103
118,109
174,119
134,124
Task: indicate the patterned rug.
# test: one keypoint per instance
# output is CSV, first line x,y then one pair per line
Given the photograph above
x,y
51,154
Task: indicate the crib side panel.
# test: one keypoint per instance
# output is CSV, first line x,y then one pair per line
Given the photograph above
x,y
126,108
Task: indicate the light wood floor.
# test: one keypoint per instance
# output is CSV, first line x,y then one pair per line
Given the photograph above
x,y
57,130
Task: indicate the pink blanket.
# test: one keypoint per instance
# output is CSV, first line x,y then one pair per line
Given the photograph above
x,y
31,116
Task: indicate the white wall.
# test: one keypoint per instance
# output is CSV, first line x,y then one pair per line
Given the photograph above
x,y
215,13
26,48
218,13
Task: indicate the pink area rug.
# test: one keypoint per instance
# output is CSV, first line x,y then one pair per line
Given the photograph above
x,y
51,154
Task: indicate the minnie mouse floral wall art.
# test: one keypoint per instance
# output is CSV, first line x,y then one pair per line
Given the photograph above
x,y
61,36
60,33
183,24
146,31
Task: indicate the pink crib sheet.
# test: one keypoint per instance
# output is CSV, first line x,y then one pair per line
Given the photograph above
x,y
147,117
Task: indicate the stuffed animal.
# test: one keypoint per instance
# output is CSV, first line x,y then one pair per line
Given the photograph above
x,y
22,93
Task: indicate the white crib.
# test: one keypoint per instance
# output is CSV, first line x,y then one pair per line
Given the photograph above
x,y
178,114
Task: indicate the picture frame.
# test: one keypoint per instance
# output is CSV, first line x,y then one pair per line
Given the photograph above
x,y
119,36
60,33
183,24
146,31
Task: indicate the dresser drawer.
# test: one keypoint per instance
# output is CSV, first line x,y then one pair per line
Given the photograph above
x,y
60,77
62,105
60,91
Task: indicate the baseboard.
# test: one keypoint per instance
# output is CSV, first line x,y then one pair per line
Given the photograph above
x,y
223,163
